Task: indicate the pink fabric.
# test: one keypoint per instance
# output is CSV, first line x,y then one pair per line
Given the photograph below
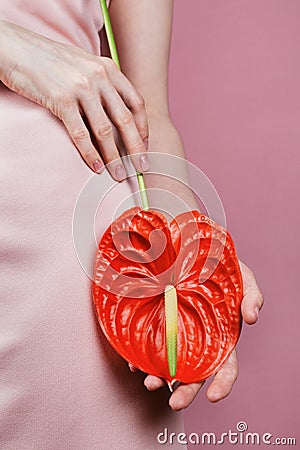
x,y
61,385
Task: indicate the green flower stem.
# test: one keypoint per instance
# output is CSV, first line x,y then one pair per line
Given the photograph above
x,y
109,33
115,58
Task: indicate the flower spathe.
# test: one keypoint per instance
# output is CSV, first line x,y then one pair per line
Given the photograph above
x,y
139,256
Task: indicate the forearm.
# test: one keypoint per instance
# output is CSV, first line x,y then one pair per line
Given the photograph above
x,y
143,30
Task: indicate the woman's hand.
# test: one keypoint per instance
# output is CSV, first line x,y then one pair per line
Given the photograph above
x,y
224,379
88,93
164,137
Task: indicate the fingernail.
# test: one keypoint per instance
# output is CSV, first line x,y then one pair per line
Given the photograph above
x,y
98,166
146,143
120,173
144,163
256,311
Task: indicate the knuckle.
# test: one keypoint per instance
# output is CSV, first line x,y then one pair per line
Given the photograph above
x,y
125,118
89,154
100,72
82,84
191,391
55,98
261,300
104,130
231,374
251,274
80,135
108,62
138,147
112,159
139,102
64,99
144,131
235,374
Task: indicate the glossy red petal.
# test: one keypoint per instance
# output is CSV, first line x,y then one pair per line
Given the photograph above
x,y
141,253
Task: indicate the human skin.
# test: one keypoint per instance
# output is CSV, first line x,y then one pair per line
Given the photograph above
x,y
144,61
69,82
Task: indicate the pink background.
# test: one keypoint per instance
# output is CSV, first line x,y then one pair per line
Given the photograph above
x,y
235,97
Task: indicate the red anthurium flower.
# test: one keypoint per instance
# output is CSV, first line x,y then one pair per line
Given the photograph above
x,y
168,295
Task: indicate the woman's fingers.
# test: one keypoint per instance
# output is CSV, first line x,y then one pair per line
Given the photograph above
x,y
103,133
253,298
132,99
72,83
251,304
224,379
132,368
102,105
124,121
152,382
183,395
221,386
81,138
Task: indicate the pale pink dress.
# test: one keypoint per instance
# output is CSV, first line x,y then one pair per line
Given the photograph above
x,y
61,384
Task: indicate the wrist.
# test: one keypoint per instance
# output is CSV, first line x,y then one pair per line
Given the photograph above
x,y
169,174
156,112
163,135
